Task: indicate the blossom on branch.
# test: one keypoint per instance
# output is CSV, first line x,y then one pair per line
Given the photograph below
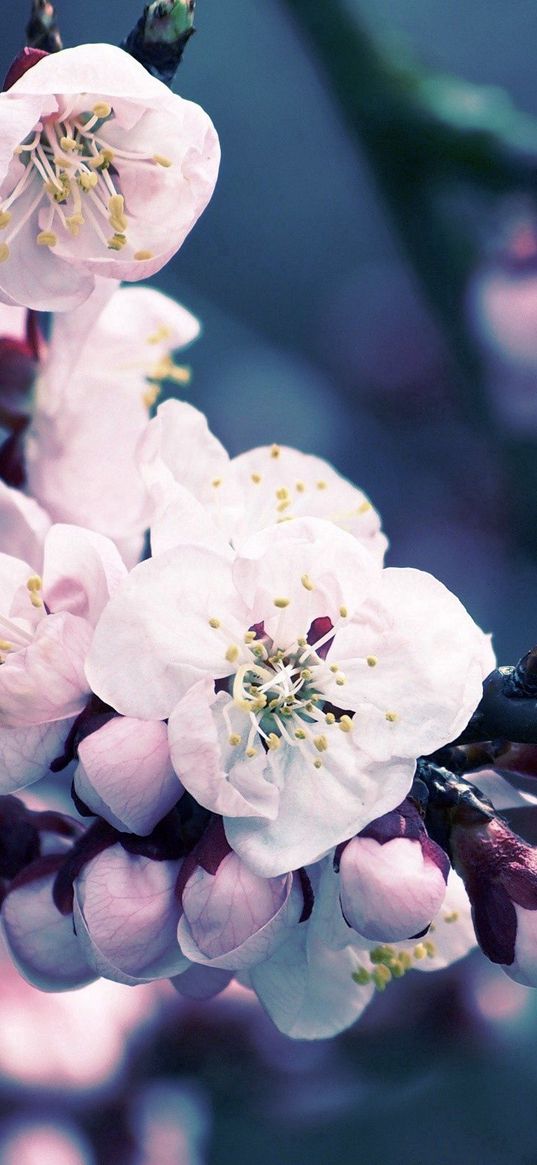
x,y
284,672
103,172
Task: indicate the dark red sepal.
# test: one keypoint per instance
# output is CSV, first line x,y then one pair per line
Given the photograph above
x,y
25,60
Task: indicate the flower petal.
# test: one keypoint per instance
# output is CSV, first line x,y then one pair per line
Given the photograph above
x,y
42,942
159,621
318,808
125,774
126,916
216,773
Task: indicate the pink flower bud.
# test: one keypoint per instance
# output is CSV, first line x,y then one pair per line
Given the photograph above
x,y
233,918
392,877
499,870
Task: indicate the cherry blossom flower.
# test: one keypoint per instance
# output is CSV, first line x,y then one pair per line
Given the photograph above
x,y
296,752
199,494
392,877
103,172
46,626
106,362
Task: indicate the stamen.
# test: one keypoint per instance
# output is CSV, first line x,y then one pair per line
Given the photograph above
x,y
391,716
275,451
5,218
256,478
141,255
214,623
46,239
345,724
281,603
4,252
307,583
371,661
232,653
162,161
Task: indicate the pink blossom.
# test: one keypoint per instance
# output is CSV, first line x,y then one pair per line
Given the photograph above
x,y
392,877
199,494
104,368
232,918
126,915
125,773
41,941
296,752
46,626
103,172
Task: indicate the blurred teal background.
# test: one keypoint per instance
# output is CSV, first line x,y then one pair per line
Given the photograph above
x,y
317,333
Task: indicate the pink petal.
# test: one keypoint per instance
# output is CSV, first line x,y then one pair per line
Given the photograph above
x,y
42,942
125,774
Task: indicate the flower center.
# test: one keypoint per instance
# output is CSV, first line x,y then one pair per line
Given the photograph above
x,y
69,165
281,693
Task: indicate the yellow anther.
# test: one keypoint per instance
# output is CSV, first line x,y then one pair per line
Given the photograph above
x,y
343,612
4,252
68,143
302,642
163,332
216,482
75,222
5,218
63,164
381,976
273,741
234,739
321,743
116,206
5,645
275,451
307,583
392,717
36,601
142,255
300,487
46,239
330,718
420,951
214,622
256,478
361,976
430,949
232,653
282,494
317,764
345,724
281,603
306,673
300,734
34,583
102,160
151,395
334,667
87,181
116,243
162,161
371,661
453,917
340,681
364,508
282,506
102,109
322,485
260,651
250,752
249,636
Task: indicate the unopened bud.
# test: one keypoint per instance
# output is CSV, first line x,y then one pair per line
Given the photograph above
x,y
392,877
159,39
499,870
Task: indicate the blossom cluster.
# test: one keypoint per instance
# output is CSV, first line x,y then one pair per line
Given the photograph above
x,y
205,664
